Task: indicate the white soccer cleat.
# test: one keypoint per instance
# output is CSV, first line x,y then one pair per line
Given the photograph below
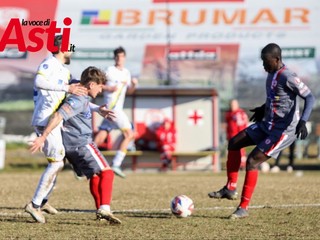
x,y
118,171
49,209
35,213
107,215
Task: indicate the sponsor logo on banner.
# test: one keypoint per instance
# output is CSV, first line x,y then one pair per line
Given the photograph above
x,y
193,54
239,17
95,17
93,54
298,52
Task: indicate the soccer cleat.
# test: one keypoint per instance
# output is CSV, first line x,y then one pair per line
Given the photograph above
x,y
224,193
107,215
118,171
35,213
239,213
49,209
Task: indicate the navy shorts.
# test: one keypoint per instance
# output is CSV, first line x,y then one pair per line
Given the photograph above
x,y
271,143
86,160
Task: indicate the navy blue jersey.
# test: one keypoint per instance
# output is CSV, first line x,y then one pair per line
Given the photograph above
x,y
282,108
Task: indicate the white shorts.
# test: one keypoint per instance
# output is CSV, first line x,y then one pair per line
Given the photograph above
x,y
53,147
121,122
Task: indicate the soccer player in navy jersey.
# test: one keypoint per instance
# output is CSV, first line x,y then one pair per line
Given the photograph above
x,y
277,125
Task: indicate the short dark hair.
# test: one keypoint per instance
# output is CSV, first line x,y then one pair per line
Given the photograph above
x,y
93,74
118,50
272,49
57,42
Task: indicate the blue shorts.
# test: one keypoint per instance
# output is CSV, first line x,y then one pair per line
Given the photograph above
x,y
86,160
271,143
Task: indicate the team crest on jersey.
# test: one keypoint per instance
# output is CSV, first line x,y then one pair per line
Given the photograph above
x,y
274,83
71,102
87,114
60,81
45,66
268,141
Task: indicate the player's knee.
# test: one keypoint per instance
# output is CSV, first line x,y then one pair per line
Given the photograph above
x,y
129,134
232,145
57,166
252,164
255,159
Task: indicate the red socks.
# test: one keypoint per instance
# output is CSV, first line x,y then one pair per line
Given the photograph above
x,y
94,189
105,186
101,187
233,166
248,188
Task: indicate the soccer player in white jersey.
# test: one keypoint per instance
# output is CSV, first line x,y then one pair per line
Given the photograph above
x,y
51,85
119,82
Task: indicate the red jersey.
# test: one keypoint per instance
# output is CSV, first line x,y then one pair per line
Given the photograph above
x,y
166,138
236,122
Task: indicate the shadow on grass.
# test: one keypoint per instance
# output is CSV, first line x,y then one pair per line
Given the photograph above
x,y
146,214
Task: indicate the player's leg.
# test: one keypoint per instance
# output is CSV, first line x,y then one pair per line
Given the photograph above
x,y
239,141
271,146
124,125
94,189
54,151
100,137
94,166
45,206
291,157
276,168
255,158
243,158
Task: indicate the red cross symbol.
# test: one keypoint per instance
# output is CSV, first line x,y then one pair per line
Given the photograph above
x,y
195,117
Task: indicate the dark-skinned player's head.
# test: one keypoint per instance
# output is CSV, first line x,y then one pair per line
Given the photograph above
x,y
271,57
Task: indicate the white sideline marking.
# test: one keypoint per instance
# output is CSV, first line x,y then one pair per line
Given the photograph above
x,y
224,208
23,214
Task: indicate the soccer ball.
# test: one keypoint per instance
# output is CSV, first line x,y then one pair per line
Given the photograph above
x,y
264,167
181,206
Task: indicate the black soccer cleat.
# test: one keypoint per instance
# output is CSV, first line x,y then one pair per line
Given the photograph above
x,y
224,193
239,213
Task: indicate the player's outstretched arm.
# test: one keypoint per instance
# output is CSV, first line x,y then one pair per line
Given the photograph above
x,y
301,129
42,83
53,123
102,110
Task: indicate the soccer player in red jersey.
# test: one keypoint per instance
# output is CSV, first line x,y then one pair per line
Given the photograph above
x,y
166,136
237,120
277,125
